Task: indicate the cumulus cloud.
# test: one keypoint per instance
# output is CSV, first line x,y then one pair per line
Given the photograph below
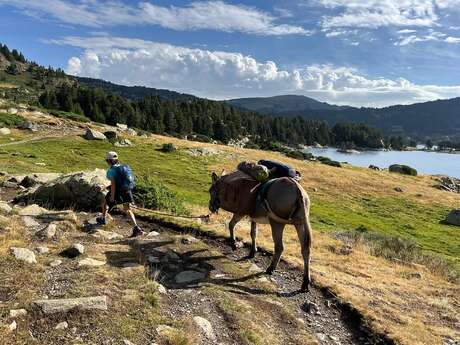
x,y
223,75
198,15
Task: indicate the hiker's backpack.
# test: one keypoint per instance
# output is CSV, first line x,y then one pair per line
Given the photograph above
x,y
278,169
257,171
125,178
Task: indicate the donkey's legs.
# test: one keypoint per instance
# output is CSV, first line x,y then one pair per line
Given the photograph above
x,y
304,234
277,235
253,251
235,219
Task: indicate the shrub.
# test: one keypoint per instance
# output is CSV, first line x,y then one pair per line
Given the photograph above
x,y
323,159
70,116
11,120
295,154
398,249
169,147
403,169
332,163
152,195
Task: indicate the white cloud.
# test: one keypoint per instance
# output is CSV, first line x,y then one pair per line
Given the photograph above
x,y
222,75
431,36
198,15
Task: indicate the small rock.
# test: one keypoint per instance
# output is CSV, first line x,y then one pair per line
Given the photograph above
x,y
152,234
73,251
90,262
399,190
24,254
62,325
163,329
108,235
122,126
32,210
188,277
263,280
42,250
205,327
127,342
48,232
123,143
5,131
55,263
189,240
5,208
321,336
453,218
12,326
17,312
161,289
30,222
415,275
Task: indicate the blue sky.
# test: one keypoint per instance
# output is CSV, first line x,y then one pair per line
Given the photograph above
x,y
357,52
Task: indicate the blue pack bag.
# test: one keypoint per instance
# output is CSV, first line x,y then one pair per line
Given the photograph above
x,y
125,178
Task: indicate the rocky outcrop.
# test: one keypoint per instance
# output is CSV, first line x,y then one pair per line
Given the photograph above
x,y
83,190
52,306
449,184
5,131
24,254
92,134
38,178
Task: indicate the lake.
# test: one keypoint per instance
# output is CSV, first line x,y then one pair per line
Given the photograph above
x,y
431,163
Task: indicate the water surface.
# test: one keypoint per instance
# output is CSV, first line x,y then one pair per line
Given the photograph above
x,y
431,163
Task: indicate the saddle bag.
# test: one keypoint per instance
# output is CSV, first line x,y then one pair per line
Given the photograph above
x,y
238,193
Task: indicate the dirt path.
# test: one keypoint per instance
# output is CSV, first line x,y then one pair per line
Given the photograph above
x,y
328,319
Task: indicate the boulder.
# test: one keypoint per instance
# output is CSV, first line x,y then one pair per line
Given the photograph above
x,y
131,132
14,313
402,169
42,250
12,111
374,167
92,134
52,306
5,131
30,126
24,254
122,126
453,218
84,190
5,208
62,325
205,327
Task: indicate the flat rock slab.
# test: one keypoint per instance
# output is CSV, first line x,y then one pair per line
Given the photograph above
x,y
91,262
51,306
188,277
205,327
30,222
24,254
108,235
32,210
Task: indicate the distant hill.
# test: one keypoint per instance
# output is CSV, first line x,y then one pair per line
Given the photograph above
x,y
133,92
435,118
281,104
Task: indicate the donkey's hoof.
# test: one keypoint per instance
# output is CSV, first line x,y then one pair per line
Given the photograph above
x,y
269,271
252,254
305,287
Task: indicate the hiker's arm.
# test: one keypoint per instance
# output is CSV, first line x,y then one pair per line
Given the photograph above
x,y
112,190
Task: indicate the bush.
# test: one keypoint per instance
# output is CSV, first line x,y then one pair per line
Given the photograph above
x,y
295,154
323,159
251,145
169,147
200,138
402,169
332,163
11,120
70,116
156,196
398,249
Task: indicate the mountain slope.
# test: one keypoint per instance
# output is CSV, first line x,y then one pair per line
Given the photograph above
x,y
434,118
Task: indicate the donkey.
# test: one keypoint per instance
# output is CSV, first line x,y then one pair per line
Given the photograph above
x,y
285,202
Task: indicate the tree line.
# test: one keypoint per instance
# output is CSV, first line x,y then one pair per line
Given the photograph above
x,y
213,119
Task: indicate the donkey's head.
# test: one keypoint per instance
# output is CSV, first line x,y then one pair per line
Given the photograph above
x,y
214,200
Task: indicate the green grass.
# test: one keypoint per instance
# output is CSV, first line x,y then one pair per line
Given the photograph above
x,y
188,177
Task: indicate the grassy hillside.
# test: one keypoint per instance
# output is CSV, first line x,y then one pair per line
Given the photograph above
x,y
343,200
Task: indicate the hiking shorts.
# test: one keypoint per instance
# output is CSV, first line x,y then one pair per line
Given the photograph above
x,y
125,197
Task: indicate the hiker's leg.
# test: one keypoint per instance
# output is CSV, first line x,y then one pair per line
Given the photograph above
x,y
104,208
129,212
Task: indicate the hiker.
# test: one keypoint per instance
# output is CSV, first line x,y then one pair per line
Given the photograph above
x,y
278,169
122,183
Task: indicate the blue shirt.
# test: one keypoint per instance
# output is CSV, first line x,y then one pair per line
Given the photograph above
x,y
112,172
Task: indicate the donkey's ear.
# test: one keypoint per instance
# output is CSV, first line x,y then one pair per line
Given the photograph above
x,y
214,177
